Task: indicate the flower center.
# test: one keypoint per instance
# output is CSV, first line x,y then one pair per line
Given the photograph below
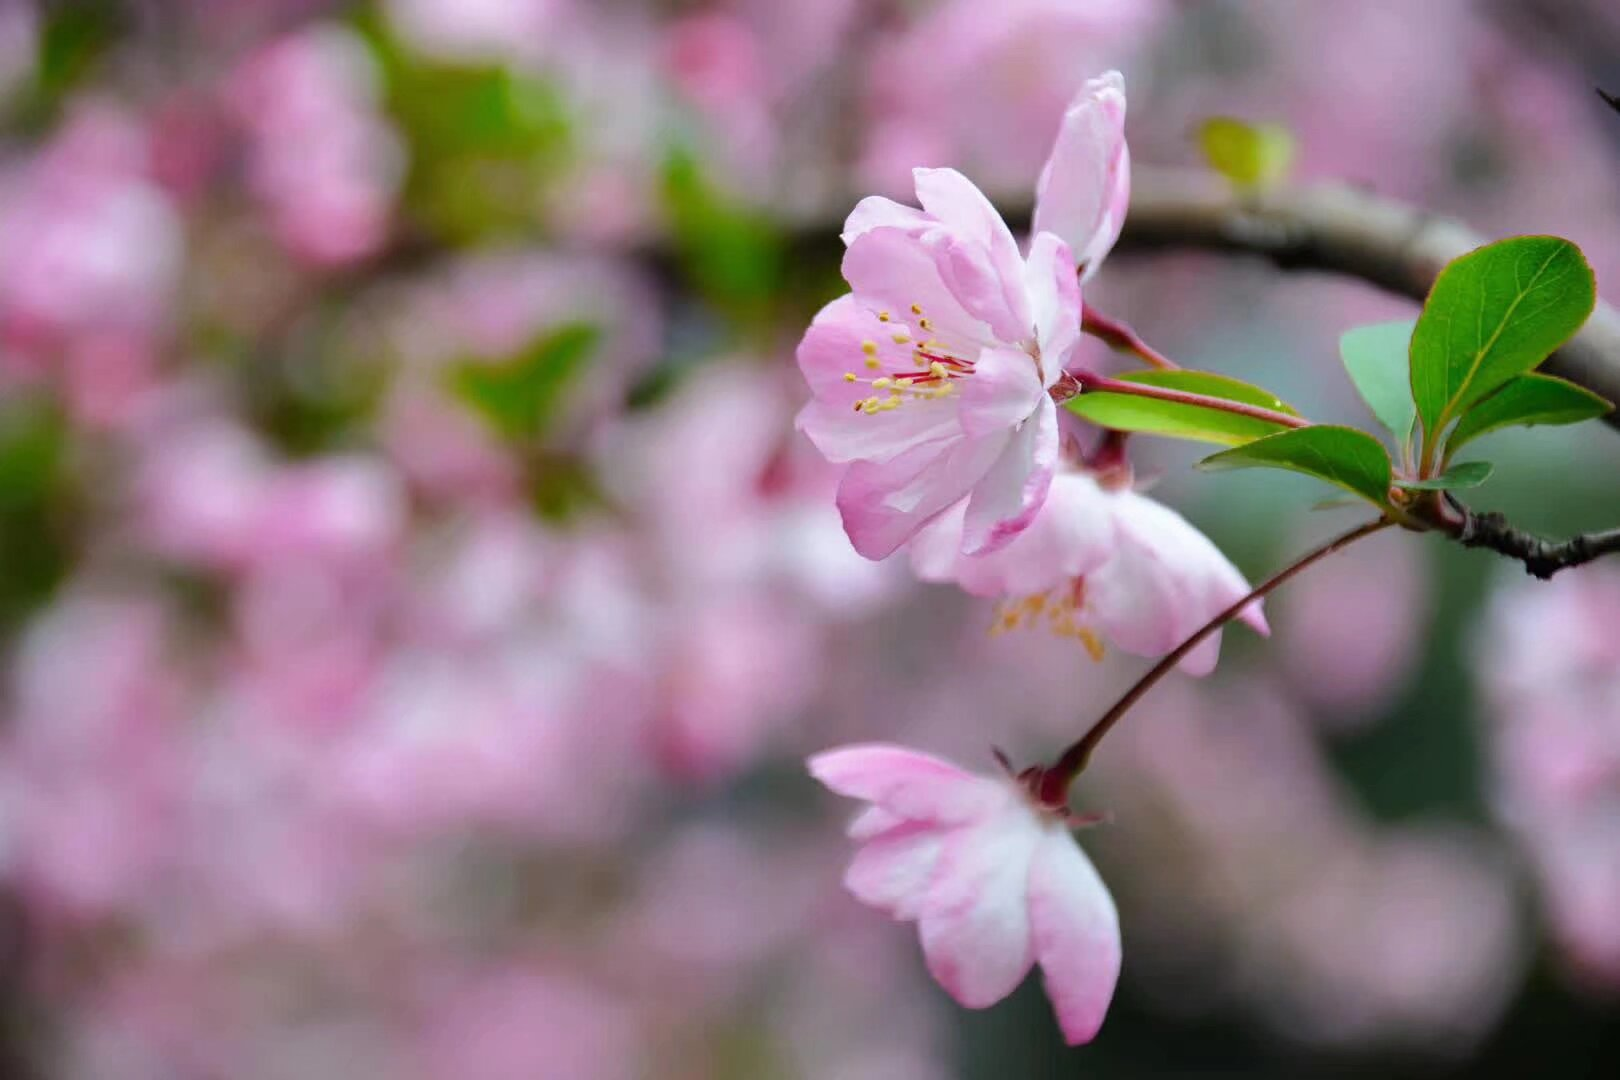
x,y
1061,609
935,367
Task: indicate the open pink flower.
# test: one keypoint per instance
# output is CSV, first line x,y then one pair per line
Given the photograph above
x,y
994,880
931,377
1098,564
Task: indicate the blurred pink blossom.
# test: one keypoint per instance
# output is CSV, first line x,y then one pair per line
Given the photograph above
x,y
1027,59
322,159
993,880
90,258
1550,664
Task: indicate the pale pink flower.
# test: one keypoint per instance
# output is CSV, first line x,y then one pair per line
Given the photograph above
x,y
993,879
931,377
1098,563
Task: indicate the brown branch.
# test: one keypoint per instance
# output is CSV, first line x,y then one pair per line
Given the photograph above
x,y
1542,558
1342,230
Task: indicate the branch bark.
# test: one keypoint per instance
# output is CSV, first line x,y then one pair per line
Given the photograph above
x,y
1341,230
1542,558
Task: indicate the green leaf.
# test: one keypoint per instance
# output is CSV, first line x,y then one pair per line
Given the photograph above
x,y
1252,156
1344,456
1127,412
1526,401
519,397
1494,314
1466,475
1376,359
735,253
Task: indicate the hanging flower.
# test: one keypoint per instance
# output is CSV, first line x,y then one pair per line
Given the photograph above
x,y
1102,563
992,877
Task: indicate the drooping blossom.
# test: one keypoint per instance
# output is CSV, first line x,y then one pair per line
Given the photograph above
x,y
992,878
931,377
1099,563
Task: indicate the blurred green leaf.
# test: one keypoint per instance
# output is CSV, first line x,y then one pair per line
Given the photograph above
x,y
1344,456
1526,401
35,545
1127,412
733,253
1494,314
1376,359
485,140
518,398
1252,156
1468,474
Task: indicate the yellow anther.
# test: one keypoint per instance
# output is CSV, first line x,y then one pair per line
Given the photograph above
x,y
849,376
926,325
869,348
901,338
882,384
916,309
1094,646
873,364
884,316
938,371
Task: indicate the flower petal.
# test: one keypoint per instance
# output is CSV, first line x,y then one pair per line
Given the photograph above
x,y
884,504
1003,391
892,269
1054,296
892,871
875,211
1071,536
1165,581
1075,928
974,925
1085,186
1013,490
979,257
844,434
835,345
908,784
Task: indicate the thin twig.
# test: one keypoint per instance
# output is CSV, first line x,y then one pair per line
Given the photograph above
x,y
1056,779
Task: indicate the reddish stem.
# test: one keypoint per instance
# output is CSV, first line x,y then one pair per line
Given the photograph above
x,y
1120,335
1055,780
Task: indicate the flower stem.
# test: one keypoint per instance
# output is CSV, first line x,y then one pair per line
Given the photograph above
x,y
1056,779
1087,382
1122,336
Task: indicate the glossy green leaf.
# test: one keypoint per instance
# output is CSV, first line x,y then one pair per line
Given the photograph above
x,y
519,397
1344,456
1128,412
1253,156
1527,401
1376,359
1494,314
1466,475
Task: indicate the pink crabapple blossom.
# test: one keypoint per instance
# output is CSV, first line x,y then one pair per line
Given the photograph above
x,y
932,377
1100,562
991,876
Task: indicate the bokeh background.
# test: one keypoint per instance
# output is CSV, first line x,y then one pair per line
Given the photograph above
x,y
415,603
